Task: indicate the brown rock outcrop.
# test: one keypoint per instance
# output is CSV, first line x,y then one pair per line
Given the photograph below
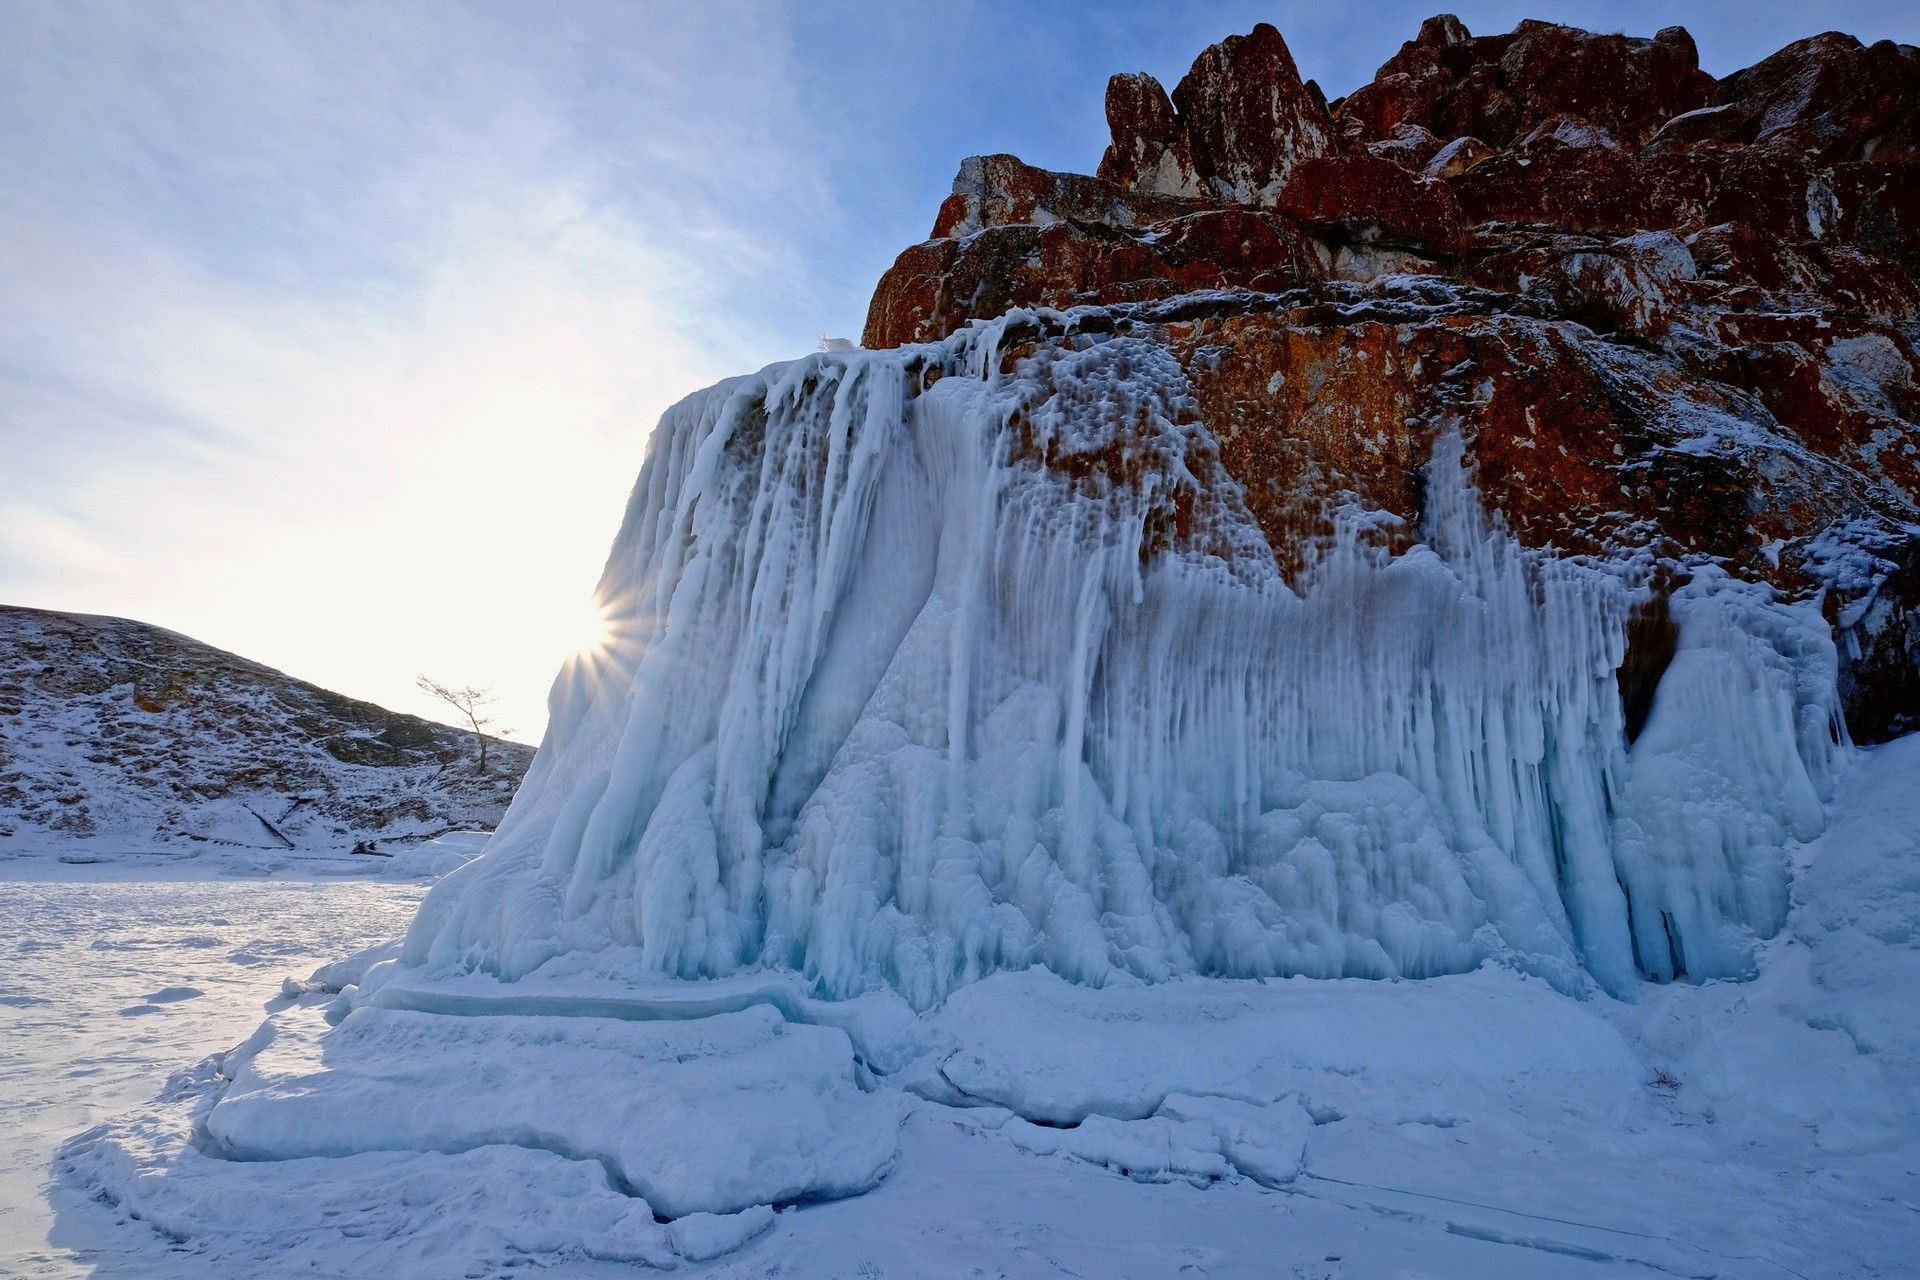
x,y
1001,191
1827,96
1367,199
1499,88
1234,128
936,287
1668,317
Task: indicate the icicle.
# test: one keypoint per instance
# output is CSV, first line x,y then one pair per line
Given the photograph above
x,y
913,685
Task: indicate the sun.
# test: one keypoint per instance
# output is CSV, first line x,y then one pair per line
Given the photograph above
x,y
592,631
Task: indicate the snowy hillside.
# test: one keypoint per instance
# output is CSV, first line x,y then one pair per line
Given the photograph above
x,y
119,736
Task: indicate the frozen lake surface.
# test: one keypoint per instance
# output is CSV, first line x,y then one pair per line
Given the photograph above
x,y
113,979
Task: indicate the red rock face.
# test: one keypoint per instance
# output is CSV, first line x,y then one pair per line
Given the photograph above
x,y
1627,87
1828,96
1236,125
1367,199
1000,191
1498,89
936,287
1667,316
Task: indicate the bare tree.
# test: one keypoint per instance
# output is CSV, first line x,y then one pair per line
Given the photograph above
x,y
468,701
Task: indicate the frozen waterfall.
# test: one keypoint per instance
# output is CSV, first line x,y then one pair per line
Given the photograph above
x,y
935,662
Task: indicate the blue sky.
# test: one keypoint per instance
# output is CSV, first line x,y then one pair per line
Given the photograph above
x,y
334,332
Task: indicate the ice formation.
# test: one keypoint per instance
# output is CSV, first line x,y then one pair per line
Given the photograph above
x,y
953,659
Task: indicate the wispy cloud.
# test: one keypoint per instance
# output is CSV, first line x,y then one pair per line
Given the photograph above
x,y
335,334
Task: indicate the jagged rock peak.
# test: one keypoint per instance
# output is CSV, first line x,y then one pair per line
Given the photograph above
x,y
1586,131
1499,88
1234,129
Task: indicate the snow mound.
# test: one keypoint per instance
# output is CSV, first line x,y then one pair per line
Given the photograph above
x,y
472,1211
712,1116
1076,1053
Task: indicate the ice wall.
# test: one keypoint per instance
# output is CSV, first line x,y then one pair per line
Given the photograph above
x,y
926,668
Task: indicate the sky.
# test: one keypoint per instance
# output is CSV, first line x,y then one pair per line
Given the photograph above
x,y
334,333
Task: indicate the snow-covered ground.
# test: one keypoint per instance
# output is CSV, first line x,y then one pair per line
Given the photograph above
x,y
45,856
1470,1125
118,973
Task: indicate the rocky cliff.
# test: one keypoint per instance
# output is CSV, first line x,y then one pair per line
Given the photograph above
x,y
132,738
1673,319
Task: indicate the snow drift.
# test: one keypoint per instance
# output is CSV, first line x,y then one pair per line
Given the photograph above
x,y
941,661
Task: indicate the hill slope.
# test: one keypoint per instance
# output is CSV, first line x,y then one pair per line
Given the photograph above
x,y
129,736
